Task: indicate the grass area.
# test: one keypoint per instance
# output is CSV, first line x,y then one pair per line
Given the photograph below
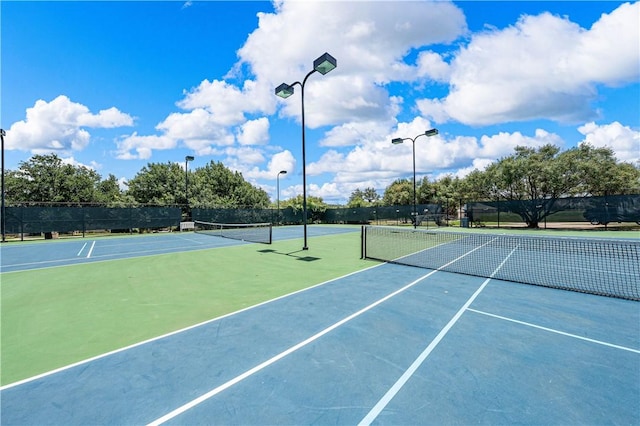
x,y
54,317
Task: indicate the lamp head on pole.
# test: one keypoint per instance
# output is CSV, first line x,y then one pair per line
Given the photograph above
x,y
431,132
3,133
397,141
325,63
284,90
282,172
189,158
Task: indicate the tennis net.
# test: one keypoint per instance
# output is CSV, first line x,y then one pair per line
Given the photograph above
x,y
253,232
599,266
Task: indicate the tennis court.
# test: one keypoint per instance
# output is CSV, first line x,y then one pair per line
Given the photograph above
x,y
357,342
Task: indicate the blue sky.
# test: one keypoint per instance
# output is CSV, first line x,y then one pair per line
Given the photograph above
x,y
117,85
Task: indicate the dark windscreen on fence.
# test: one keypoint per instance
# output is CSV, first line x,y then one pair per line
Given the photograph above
x,y
595,210
37,219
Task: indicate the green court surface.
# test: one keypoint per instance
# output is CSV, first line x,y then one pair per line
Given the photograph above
x,y
57,316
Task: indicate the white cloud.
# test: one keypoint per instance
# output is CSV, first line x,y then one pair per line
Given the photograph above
x,y
328,191
283,160
355,133
503,144
142,145
72,161
376,162
243,157
369,41
254,132
476,164
59,125
107,118
433,67
122,184
544,66
226,103
624,141
214,111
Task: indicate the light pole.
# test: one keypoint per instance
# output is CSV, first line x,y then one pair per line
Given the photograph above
x,y
281,172
323,65
397,141
2,135
186,183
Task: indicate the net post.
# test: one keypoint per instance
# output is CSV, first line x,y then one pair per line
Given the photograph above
x,y
363,238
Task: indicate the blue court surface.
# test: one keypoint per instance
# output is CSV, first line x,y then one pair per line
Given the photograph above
x,y
392,344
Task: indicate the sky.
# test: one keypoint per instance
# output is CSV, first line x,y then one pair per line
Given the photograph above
x,y
115,86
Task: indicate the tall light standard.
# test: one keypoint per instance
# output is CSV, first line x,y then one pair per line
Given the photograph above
x,y
323,65
186,183
2,135
281,172
396,141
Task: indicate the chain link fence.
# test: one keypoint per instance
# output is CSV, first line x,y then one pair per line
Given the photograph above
x,y
50,219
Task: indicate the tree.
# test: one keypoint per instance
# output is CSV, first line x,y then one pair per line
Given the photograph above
x,y
371,196
45,178
425,191
214,185
447,192
534,179
399,193
601,174
315,206
109,191
16,186
162,184
356,199
475,186
367,198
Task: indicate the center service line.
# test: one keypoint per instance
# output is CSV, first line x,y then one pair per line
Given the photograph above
x,y
302,344
391,393
91,249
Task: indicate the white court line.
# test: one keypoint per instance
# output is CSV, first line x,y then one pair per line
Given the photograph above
x,y
384,401
83,246
539,327
294,348
190,240
117,256
91,249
